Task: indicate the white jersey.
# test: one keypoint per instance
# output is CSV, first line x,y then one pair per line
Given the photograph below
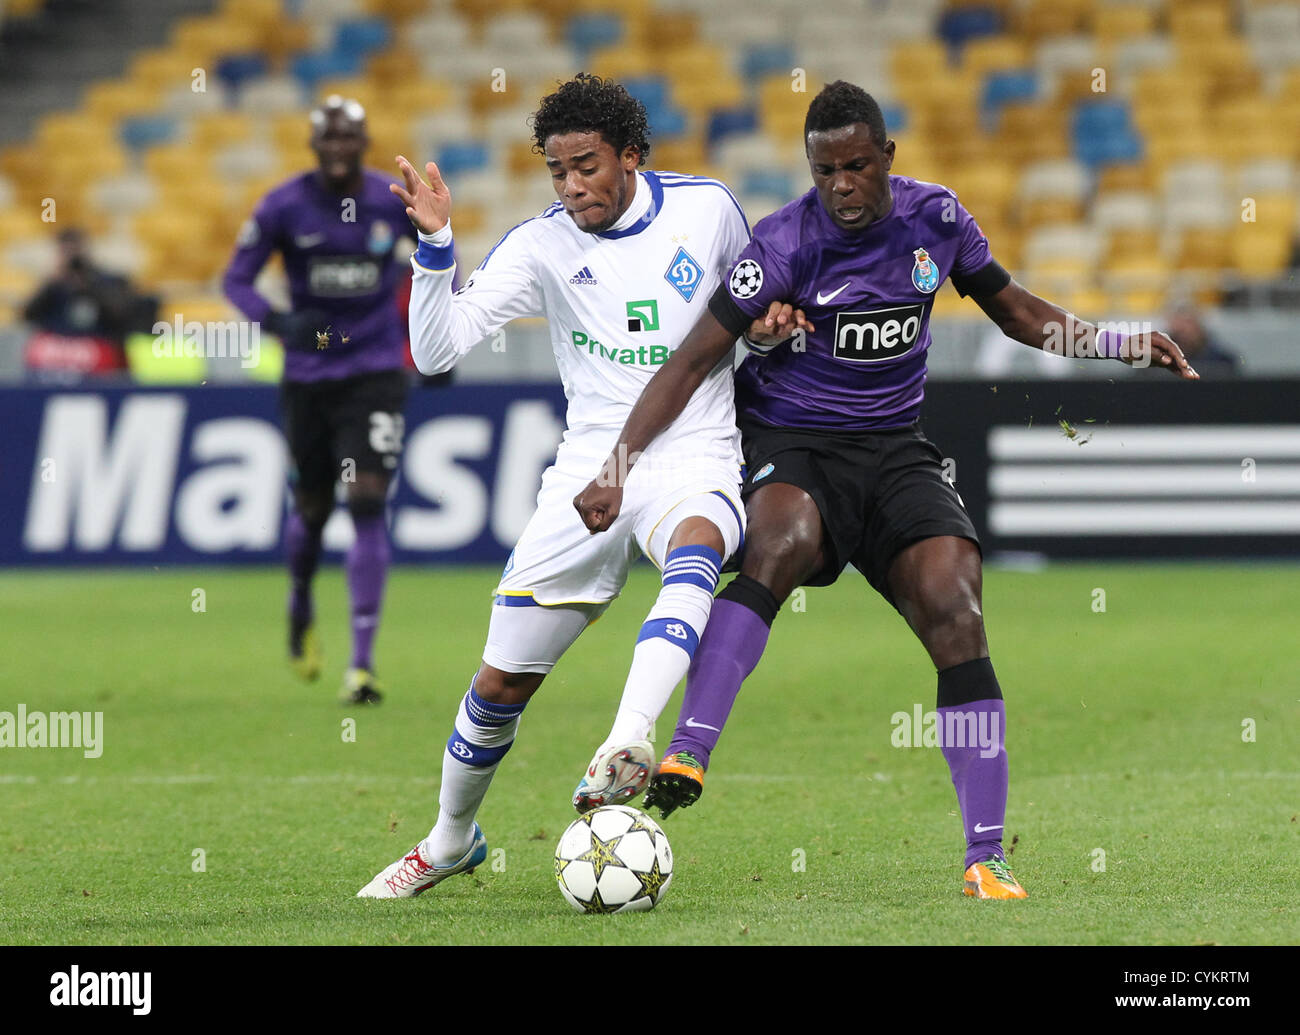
x,y
618,303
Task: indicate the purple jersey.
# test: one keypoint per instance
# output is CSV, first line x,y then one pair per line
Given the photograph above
x,y
868,293
338,256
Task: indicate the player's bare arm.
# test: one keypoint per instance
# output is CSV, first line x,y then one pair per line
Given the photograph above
x,y
666,396
1040,324
428,205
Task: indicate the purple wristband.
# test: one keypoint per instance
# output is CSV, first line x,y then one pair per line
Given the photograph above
x,y
1109,343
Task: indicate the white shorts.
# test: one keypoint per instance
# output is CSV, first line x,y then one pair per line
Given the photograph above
x,y
557,561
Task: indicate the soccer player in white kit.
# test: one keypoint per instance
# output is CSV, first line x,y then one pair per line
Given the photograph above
x,y
621,266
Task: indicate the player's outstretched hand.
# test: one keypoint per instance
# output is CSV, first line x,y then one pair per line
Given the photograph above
x,y
779,322
599,503
1163,353
428,205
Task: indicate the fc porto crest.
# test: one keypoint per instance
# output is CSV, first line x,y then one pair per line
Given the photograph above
x,y
381,238
925,275
684,274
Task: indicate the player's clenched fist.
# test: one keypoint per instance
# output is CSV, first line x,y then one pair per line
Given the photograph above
x,y
598,504
428,205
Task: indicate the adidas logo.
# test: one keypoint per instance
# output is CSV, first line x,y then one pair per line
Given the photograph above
x,y
583,276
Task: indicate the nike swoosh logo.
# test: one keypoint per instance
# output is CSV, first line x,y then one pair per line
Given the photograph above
x,y
823,299
308,240
983,830
701,725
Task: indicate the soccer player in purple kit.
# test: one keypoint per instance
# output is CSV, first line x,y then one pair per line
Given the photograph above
x,y
344,380
838,469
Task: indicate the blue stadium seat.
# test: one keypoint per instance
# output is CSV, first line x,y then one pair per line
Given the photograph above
x,y
147,130
667,122
1002,88
767,181
762,59
464,156
360,36
968,23
310,67
236,69
652,91
586,32
895,118
1102,133
726,122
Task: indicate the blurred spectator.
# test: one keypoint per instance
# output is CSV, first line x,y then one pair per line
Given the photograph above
x,y
82,315
1203,351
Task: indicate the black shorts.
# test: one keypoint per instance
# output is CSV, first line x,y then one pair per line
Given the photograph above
x,y
354,423
877,491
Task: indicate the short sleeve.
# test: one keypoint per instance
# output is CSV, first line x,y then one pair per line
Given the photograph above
x,y
759,276
974,270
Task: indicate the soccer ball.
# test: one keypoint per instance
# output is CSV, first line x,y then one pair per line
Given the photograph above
x,y
613,860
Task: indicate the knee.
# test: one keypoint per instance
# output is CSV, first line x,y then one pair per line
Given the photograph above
x,y
949,621
499,687
363,505
783,558
314,509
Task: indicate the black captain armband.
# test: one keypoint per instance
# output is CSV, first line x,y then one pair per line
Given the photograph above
x,y
989,279
726,312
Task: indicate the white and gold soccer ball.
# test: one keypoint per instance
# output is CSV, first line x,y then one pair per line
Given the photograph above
x,y
614,859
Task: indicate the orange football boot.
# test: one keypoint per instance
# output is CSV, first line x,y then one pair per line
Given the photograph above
x,y
992,879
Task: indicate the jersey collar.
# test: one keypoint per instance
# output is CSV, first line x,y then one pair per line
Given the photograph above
x,y
648,182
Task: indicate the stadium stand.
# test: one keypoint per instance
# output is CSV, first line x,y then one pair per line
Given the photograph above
x,y
1117,154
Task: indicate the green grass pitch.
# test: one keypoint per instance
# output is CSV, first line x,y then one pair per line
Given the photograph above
x,y
227,806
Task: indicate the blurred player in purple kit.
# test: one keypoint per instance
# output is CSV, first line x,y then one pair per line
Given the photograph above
x,y
344,378
838,469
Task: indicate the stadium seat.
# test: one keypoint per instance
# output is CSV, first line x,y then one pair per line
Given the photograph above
x,y
461,157
144,131
588,32
958,25
1003,88
272,95
362,36
310,67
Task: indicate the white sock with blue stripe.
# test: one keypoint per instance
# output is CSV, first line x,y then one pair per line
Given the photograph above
x,y
484,733
667,641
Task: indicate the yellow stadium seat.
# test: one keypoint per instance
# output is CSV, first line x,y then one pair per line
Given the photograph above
x,y
393,66
622,62
917,64
1199,19
111,99
1042,18
1131,244
668,32
781,110
1260,252
985,189
222,128
685,156
993,53
1112,23
1030,132
364,91
17,286
1202,248
721,90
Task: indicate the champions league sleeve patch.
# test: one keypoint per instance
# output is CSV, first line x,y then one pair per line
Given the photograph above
x,y
746,279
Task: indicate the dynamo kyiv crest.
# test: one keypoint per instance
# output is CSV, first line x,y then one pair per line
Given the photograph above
x,y
684,274
925,275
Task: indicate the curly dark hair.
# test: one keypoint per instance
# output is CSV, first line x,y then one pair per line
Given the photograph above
x,y
589,104
843,104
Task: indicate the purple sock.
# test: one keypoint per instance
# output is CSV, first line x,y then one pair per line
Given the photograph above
x,y
732,643
302,544
972,731
367,566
